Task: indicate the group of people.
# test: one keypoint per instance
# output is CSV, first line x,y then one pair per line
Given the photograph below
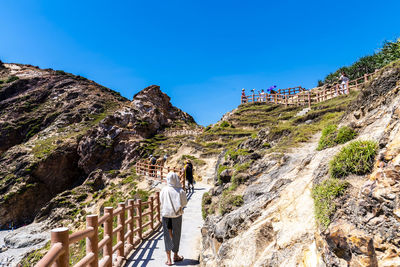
x,y
343,79
262,95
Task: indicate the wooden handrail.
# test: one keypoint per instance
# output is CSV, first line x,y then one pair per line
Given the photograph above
x,y
158,172
75,237
58,255
51,256
302,96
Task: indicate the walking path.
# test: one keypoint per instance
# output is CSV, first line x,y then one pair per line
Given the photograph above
x,y
152,252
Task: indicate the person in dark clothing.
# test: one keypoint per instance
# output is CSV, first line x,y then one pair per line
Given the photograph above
x,y
189,174
153,162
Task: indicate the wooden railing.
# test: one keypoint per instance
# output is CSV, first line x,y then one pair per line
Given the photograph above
x,y
143,218
158,172
301,97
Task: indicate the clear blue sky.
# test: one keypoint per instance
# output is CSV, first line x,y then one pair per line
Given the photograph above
x,y
201,53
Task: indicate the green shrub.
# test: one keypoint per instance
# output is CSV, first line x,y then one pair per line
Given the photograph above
x,y
224,124
324,196
61,72
344,135
355,158
11,79
331,136
328,137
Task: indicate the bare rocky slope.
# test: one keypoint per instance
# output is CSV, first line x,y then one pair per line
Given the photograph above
x,y
263,209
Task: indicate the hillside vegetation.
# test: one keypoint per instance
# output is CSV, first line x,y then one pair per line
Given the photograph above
x,y
389,52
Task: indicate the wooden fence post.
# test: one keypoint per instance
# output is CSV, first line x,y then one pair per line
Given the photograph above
x,y
275,99
356,85
365,77
309,99
152,213
61,235
158,207
337,89
347,87
131,215
149,169
108,229
92,243
121,233
139,220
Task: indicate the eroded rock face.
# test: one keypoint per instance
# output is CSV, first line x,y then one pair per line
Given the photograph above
x,y
58,130
111,145
276,225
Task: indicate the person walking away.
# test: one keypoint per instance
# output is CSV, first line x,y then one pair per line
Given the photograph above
x,y
344,81
153,162
173,200
243,97
188,170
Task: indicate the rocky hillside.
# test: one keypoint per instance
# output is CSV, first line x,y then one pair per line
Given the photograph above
x,y
300,191
59,131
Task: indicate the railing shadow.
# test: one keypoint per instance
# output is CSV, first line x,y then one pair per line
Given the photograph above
x,y
142,255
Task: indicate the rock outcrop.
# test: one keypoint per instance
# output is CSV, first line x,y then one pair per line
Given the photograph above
x,y
276,225
58,130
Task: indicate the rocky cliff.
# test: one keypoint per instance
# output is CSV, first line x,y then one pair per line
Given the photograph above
x,y
289,196
59,131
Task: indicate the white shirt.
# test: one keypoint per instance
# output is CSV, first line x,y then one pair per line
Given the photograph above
x,y
172,197
344,79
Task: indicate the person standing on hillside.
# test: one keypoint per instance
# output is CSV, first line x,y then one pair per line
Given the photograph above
x,y
243,97
344,82
262,96
173,200
188,171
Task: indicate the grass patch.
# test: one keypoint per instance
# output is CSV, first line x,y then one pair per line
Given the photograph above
x,y
331,136
228,202
242,167
32,258
355,158
345,134
44,148
12,79
221,168
193,159
234,154
206,201
324,196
